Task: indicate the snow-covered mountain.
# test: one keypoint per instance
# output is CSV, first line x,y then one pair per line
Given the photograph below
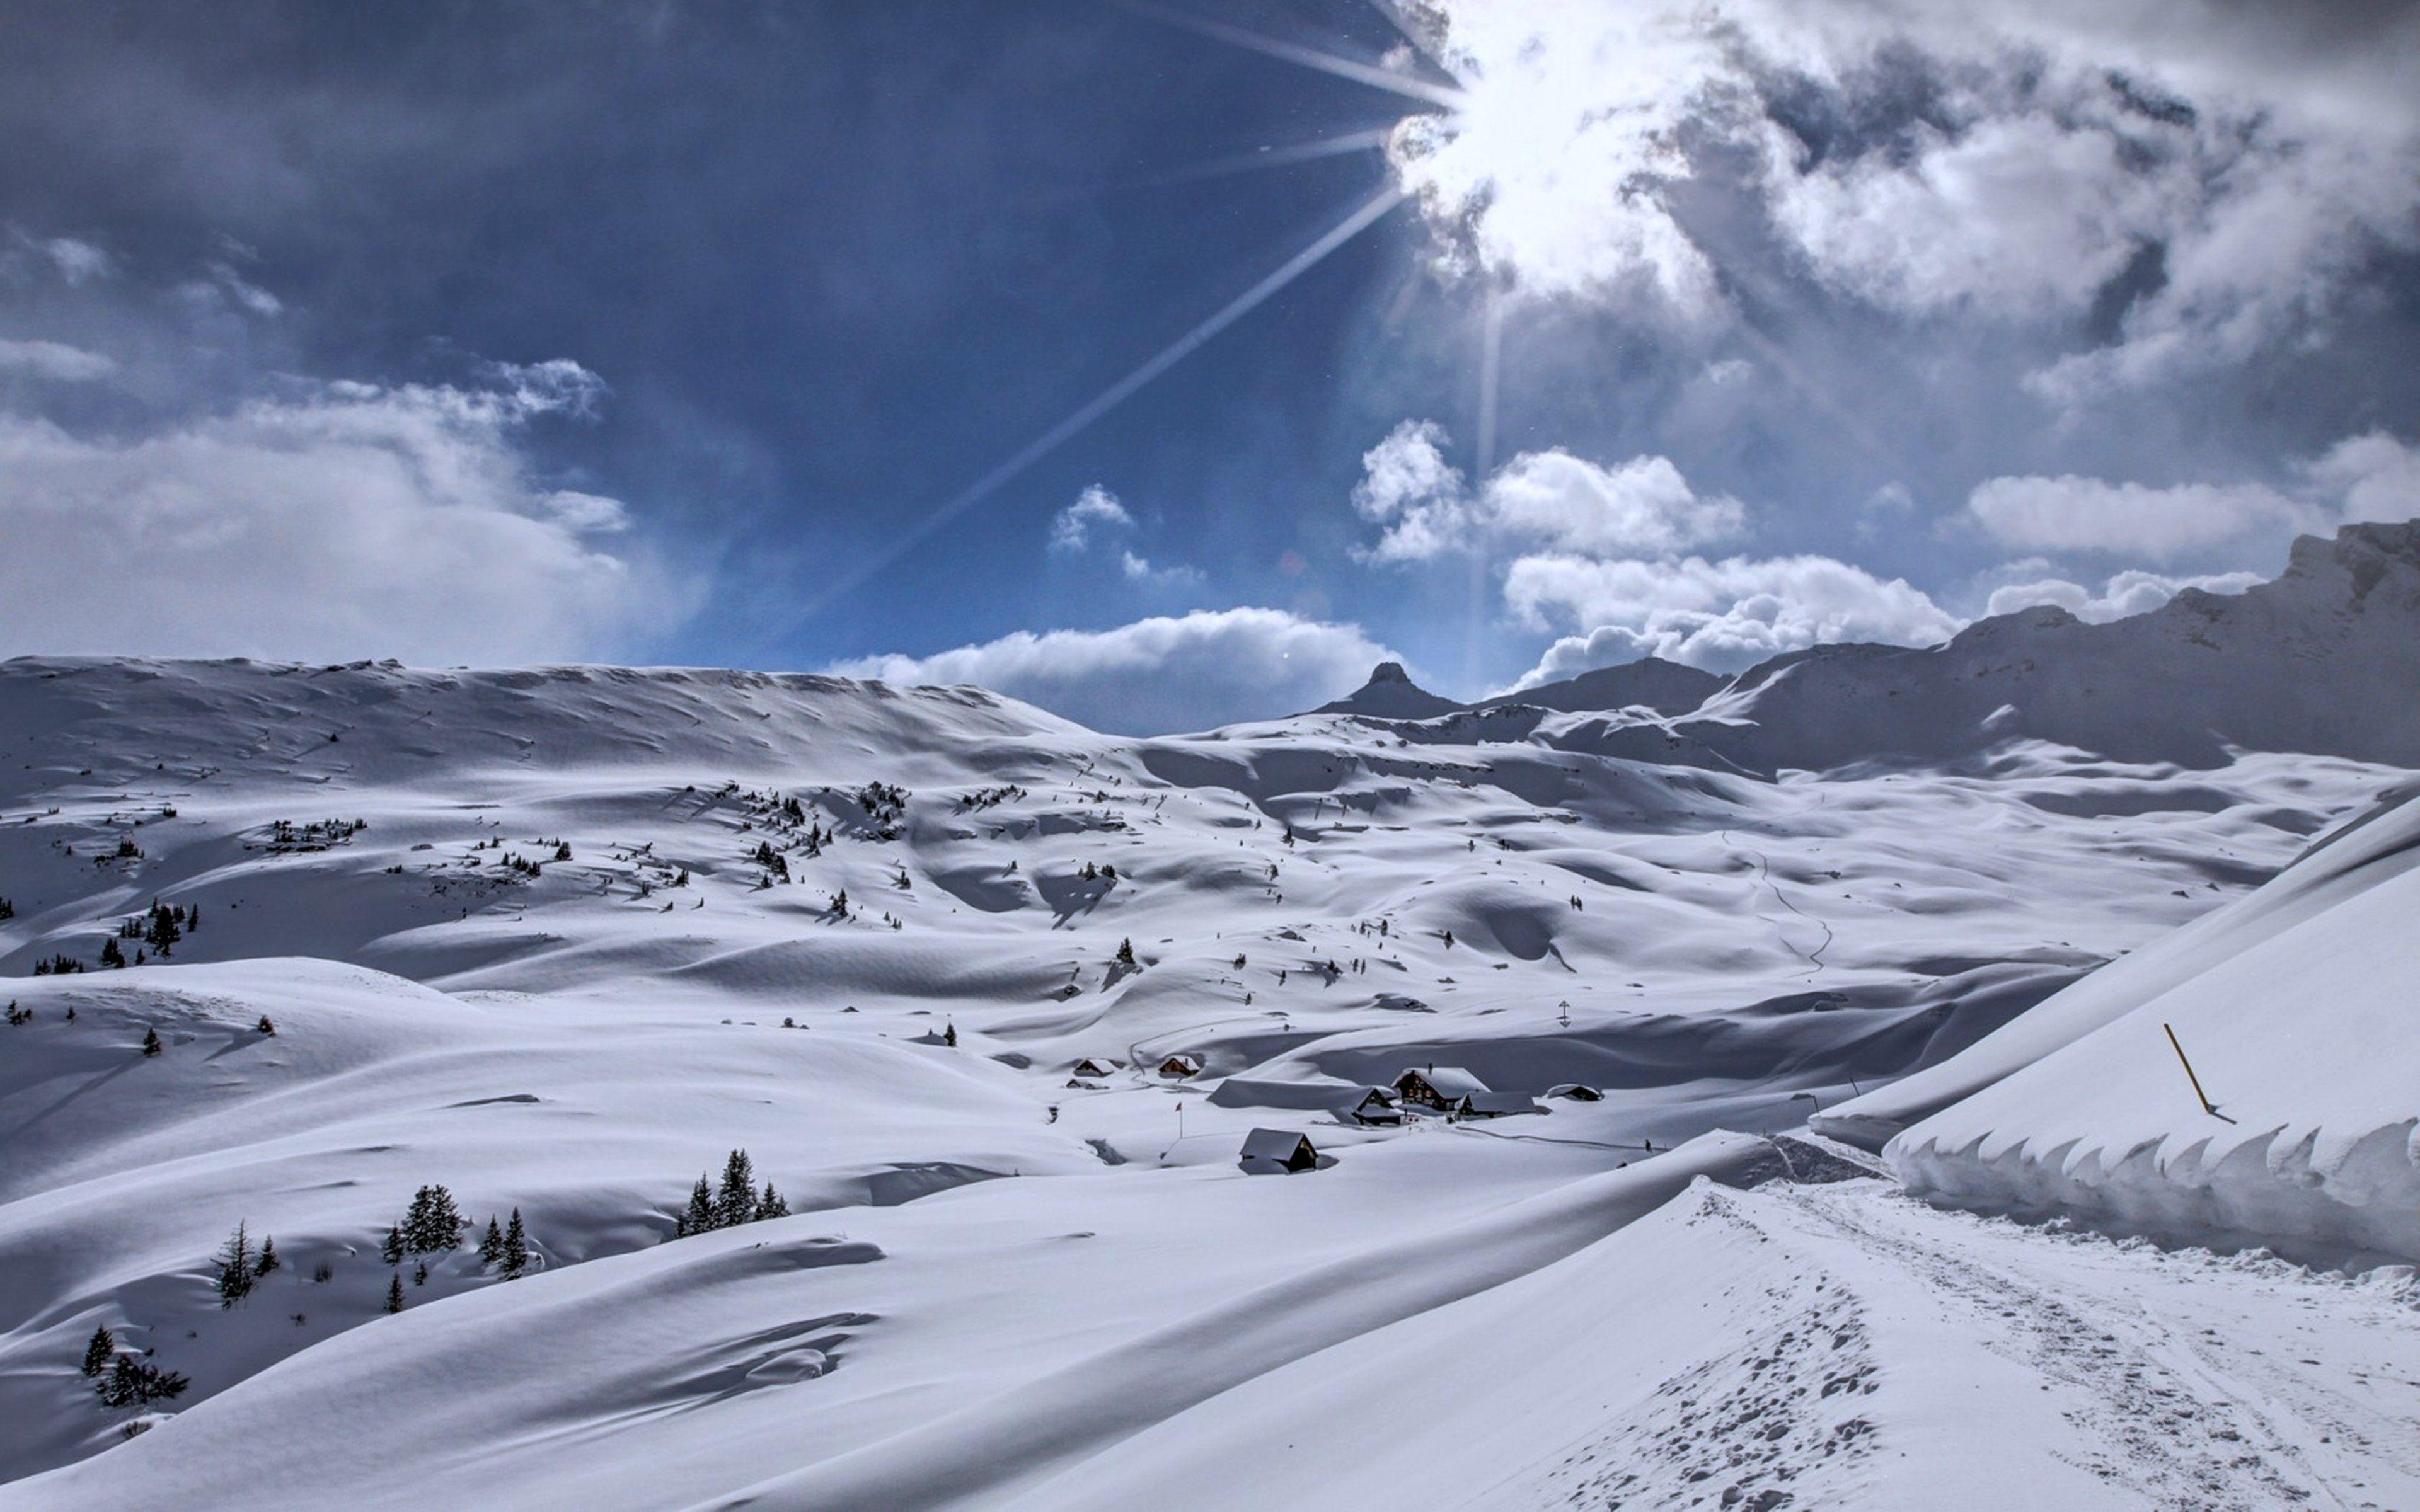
x,y
992,1001
2318,661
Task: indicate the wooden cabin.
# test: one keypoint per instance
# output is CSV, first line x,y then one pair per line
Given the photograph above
x,y
1437,1087
1576,1092
1180,1066
1375,1106
1278,1152
1093,1066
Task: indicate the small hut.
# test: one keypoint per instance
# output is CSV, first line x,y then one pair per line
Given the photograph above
x,y
1180,1066
1486,1105
1437,1087
1576,1092
1093,1066
1278,1152
1375,1106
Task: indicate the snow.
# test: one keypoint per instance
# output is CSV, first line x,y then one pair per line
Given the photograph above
x,y
997,1288
2295,1006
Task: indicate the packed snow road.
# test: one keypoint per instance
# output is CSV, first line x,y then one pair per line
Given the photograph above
x,y
1962,1361
1837,1345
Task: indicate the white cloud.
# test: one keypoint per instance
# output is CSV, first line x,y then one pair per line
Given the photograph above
x,y
77,261
2016,215
1192,672
343,520
2128,593
2076,513
1139,569
54,360
2373,476
2265,157
1721,615
1096,508
1550,499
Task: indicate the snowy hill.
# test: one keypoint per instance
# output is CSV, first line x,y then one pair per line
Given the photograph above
x,y
562,939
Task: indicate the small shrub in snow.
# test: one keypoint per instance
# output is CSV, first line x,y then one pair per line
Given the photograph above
x,y
132,1382
151,1045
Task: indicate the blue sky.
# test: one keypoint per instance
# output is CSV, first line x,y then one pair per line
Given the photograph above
x,y
663,332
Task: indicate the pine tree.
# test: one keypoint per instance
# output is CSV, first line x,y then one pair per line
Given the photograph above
x,y
700,1216
420,1273
98,1354
394,1292
235,1268
268,1260
1126,953
111,956
771,1204
132,1382
265,1028
516,1253
151,1045
433,1225
492,1246
734,1202
193,917
392,1251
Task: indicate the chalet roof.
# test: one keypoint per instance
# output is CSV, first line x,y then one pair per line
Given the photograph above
x,y
1273,1144
1094,1066
1190,1062
1450,1081
1500,1103
1580,1090
1384,1094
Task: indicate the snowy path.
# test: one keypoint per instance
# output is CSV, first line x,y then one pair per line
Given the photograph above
x,y
2193,1382
1837,1345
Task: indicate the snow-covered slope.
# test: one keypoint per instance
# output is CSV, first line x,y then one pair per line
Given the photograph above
x,y
562,939
2296,1007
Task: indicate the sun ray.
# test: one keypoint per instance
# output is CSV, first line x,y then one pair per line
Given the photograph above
x,y
1301,57
1274,157
1363,216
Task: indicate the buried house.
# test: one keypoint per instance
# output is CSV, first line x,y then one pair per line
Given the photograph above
x,y
1375,1106
1094,1066
1278,1152
1180,1066
1437,1088
1485,1104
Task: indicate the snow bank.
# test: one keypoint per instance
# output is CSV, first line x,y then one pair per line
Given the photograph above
x,y
2381,845
2296,1006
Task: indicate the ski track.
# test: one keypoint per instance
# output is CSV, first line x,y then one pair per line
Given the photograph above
x,y
2186,1412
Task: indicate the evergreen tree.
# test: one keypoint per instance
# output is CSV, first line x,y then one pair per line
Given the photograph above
x,y
235,1268
98,1354
1126,953
392,1251
492,1246
771,1204
132,1382
193,917
734,1203
268,1260
516,1253
433,1225
111,956
265,1027
950,1035
420,1273
700,1216
394,1292
151,1045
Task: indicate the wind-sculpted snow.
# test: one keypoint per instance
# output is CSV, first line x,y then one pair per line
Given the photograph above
x,y
563,940
2296,1008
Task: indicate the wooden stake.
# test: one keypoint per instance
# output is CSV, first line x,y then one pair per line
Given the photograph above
x,y
2207,1105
